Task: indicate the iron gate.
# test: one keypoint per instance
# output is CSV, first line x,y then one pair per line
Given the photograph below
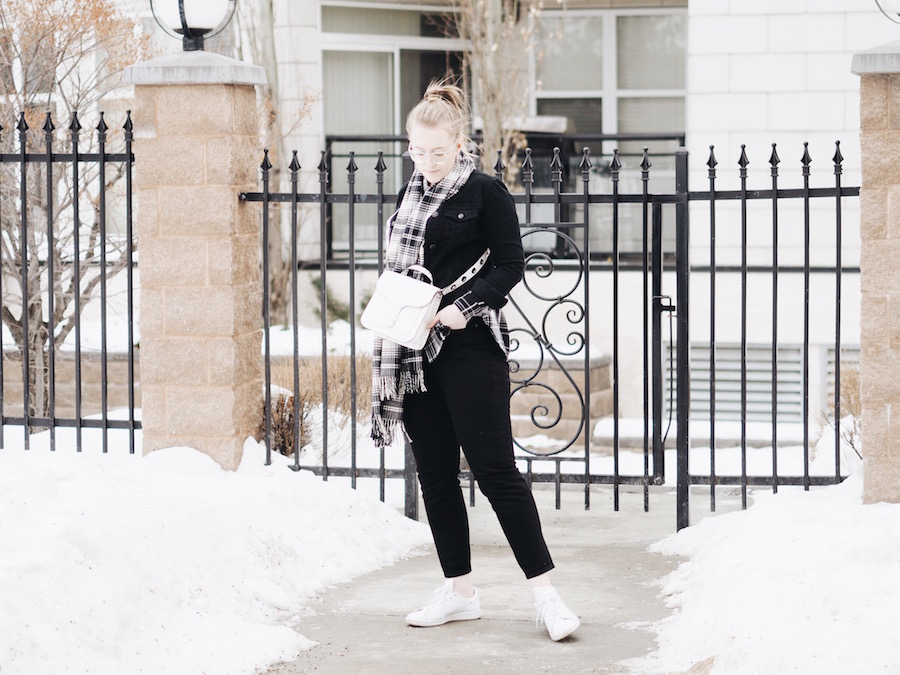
x,y
609,255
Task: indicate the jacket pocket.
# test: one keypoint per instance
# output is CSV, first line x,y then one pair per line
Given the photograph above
x,y
463,224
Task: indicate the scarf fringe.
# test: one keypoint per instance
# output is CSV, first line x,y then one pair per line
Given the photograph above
x,y
412,382
382,434
387,388
383,431
407,383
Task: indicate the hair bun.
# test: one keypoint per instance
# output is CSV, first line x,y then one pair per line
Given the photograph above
x,y
444,104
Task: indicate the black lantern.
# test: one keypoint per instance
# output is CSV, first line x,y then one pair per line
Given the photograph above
x,y
192,20
890,8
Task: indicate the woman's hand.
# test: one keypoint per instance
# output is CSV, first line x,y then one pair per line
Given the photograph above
x,y
451,317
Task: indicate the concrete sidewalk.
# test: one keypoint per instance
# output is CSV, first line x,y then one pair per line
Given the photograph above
x,y
603,572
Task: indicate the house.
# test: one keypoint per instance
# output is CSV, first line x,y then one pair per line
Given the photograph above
x,y
724,73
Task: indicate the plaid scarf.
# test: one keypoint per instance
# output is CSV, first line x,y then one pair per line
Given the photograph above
x,y
397,370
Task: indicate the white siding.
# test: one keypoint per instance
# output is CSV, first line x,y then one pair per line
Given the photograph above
x,y
788,82
796,55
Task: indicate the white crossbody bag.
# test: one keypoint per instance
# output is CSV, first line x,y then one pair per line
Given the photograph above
x,y
402,306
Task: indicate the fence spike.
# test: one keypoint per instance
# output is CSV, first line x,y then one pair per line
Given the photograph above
x,y
75,125
585,164
645,162
527,167
22,126
498,165
712,162
48,123
380,166
838,157
806,160
744,160
266,165
773,158
556,162
323,169
129,125
556,168
351,165
614,166
295,163
101,126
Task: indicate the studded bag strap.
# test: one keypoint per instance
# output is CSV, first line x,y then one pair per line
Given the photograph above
x,y
469,273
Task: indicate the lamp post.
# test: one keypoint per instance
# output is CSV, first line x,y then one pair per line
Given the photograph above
x,y
192,20
890,8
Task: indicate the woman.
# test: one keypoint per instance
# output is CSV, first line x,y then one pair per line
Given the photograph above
x,y
455,392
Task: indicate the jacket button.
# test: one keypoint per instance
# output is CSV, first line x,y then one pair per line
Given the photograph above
x,y
432,246
461,216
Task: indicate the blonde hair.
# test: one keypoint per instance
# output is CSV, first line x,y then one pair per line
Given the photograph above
x,y
443,105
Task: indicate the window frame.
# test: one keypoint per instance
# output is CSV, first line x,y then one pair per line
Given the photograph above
x,y
610,93
393,44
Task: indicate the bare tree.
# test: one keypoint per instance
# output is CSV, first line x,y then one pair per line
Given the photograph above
x,y
500,38
57,58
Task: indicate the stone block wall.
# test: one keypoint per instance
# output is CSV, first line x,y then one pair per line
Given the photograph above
x,y
196,134
880,281
91,384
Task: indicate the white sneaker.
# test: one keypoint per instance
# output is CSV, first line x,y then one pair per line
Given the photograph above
x,y
446,605
559,621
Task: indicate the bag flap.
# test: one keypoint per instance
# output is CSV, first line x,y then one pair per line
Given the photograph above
x,y
402,290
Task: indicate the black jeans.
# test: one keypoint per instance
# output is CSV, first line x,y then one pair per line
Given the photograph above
x,y
467,405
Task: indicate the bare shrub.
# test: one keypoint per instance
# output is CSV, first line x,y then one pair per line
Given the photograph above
x,y
339,390
851,408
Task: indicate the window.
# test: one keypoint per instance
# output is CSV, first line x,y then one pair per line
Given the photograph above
x,y
376,62
571,56
613,71
392,22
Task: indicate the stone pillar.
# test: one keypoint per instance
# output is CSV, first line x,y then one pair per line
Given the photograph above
x,y
880,270
196,150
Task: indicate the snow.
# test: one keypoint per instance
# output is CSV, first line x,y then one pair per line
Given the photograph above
x,y
799,582
119,563
309,339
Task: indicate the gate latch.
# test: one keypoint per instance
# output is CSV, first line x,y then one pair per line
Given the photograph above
x,y
668,307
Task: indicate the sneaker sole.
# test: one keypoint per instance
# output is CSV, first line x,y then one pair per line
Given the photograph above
x,y
464,616
563,636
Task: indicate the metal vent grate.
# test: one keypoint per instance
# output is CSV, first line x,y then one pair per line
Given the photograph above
x,y
789,377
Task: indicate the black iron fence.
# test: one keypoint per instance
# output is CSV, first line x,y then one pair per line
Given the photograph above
x,y
66,235
793,282
591,358
547,152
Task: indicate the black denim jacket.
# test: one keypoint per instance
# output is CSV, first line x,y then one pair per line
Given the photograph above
x,y
481,215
